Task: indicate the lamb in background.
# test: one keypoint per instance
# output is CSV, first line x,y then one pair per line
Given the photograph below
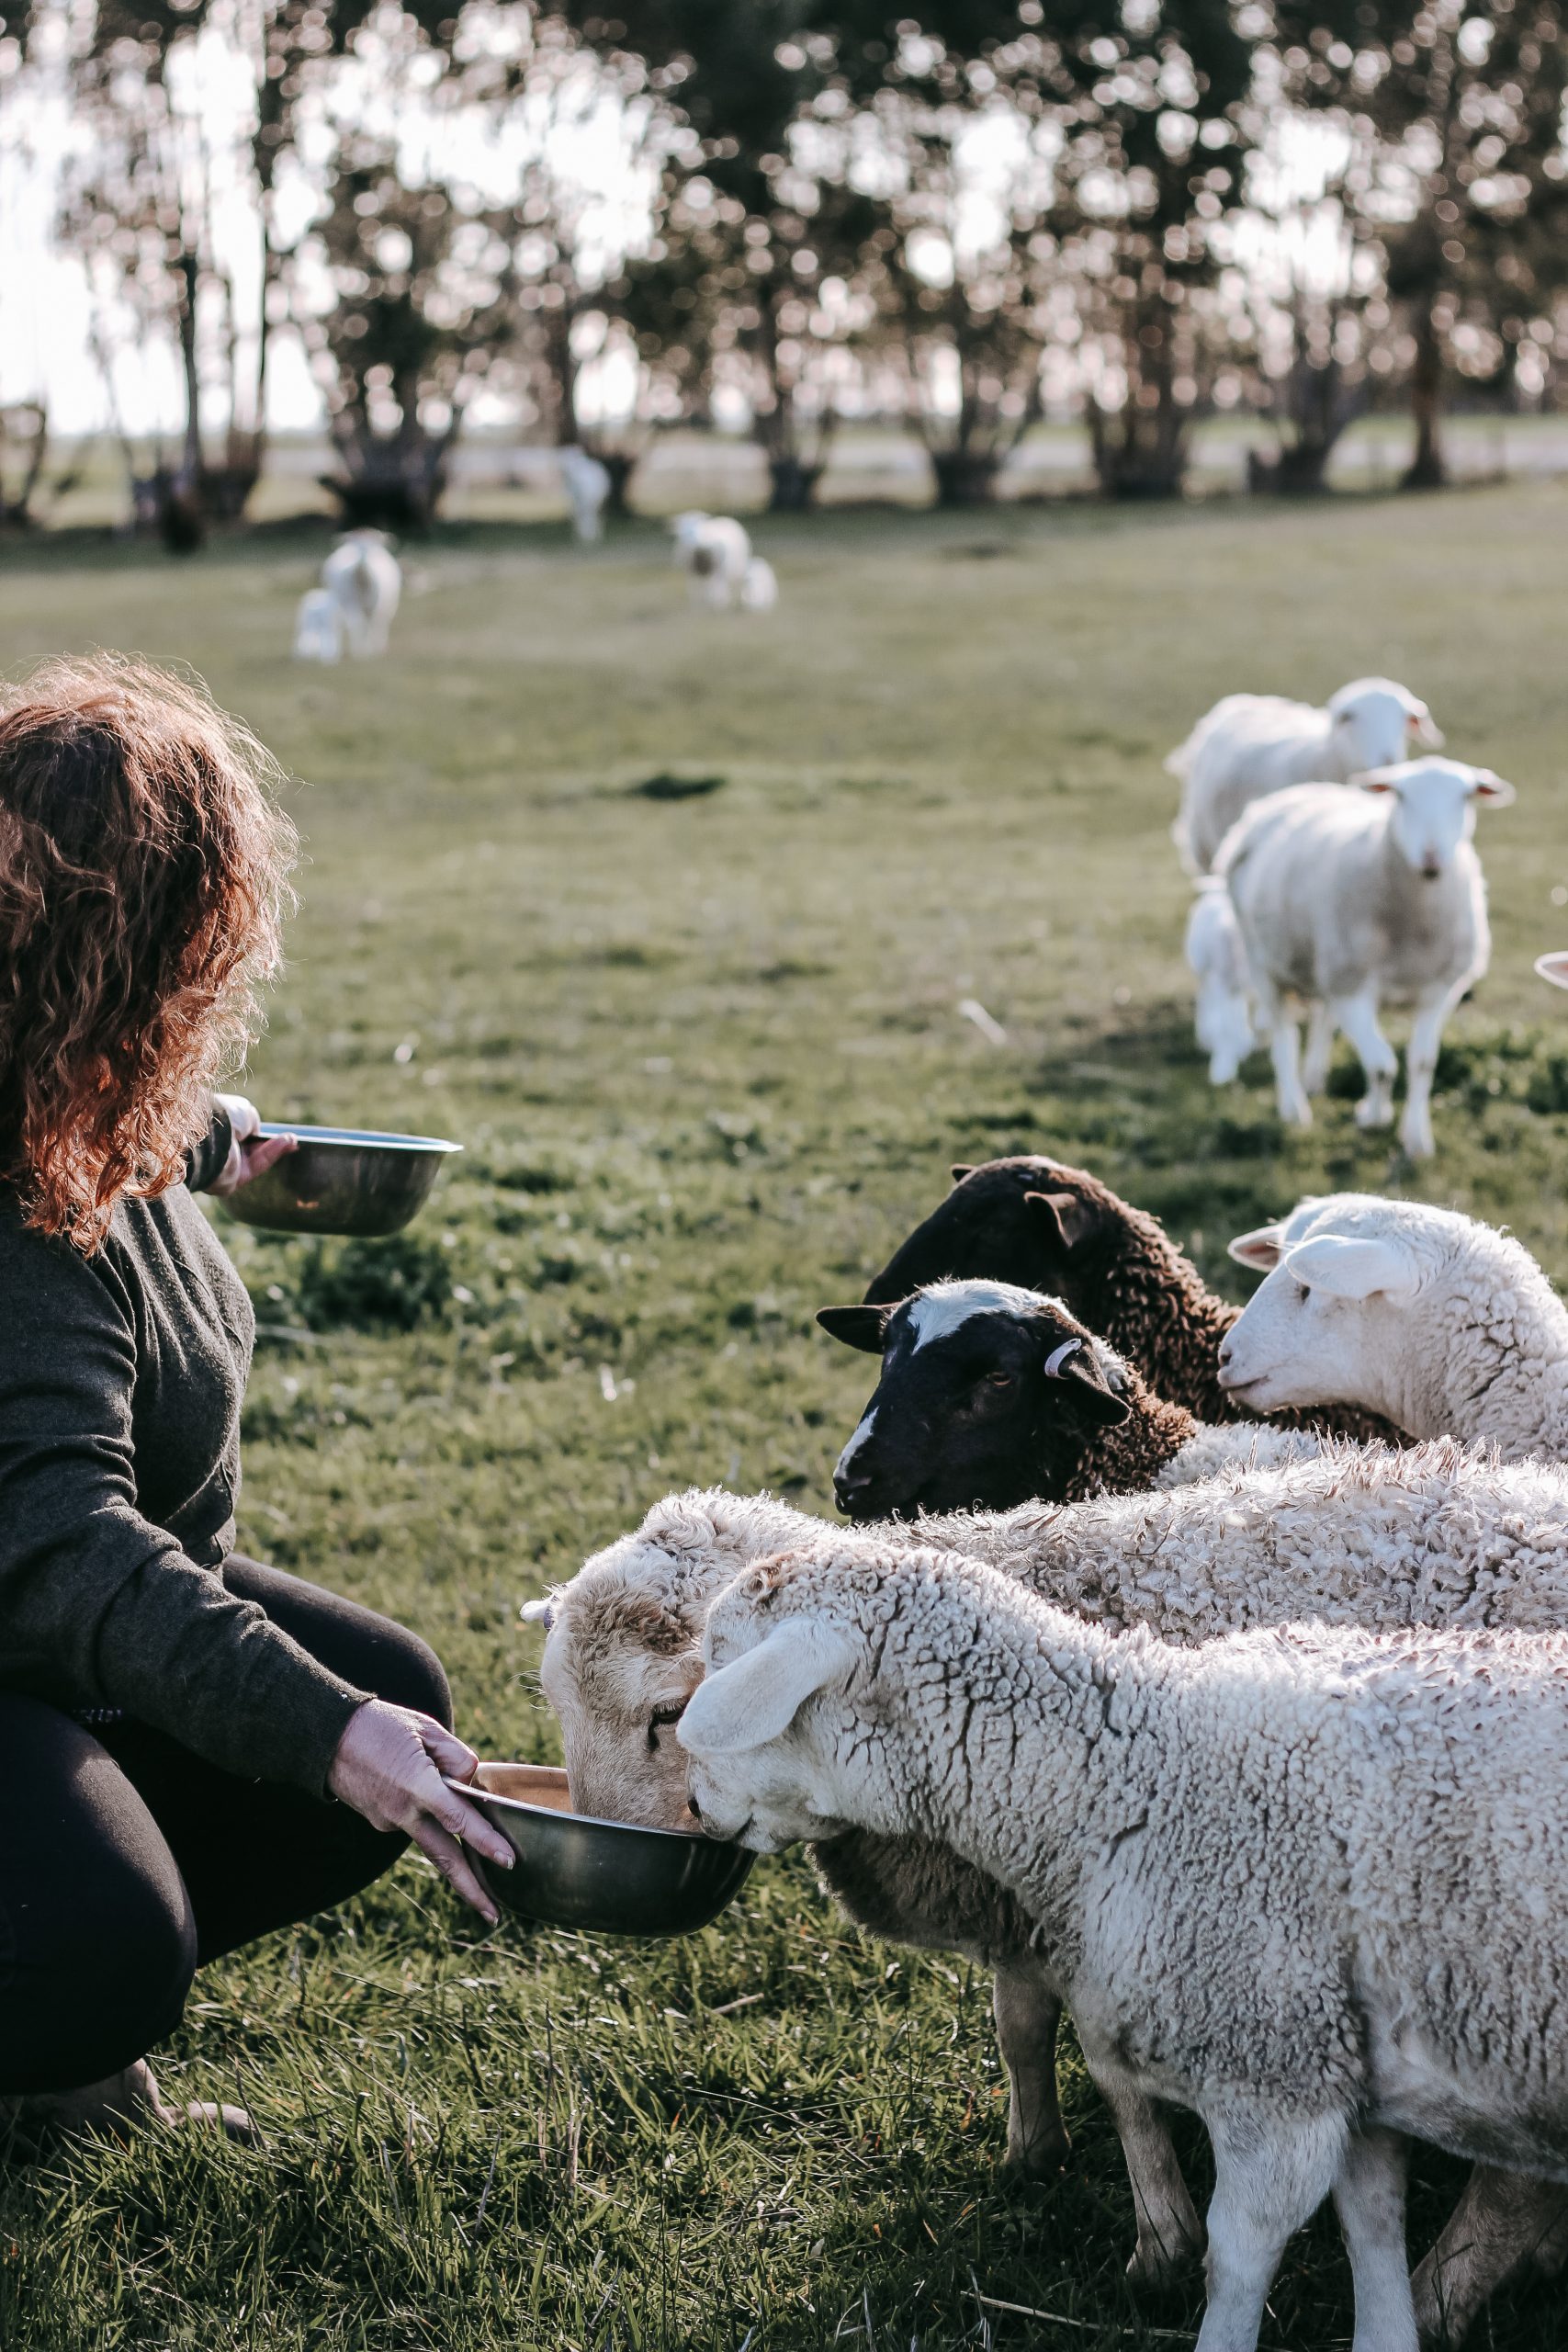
x,y
1434,1318
1250,745
759,586
1217,961
1316,1961
1046,1227
1433,1535
714,551
587,485
991,1396
1347,899
318,627
365,581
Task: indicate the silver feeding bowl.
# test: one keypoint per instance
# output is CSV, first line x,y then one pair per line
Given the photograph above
x,y
609,1876
341,1180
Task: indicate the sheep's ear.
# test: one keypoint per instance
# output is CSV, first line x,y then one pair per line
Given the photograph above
x,y
1069,1218
758,1696
1348,1267
1423,726
961,1167
858,1327
1554,967
1076,1361
1492,789
539,1613
1378,780
1260,1249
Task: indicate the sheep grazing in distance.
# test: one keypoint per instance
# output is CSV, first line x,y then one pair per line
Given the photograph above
x,y
318,627
1316,1961
991,1396
714,551
365,581
1347,899
587,485
1433,1535
1046,1227
1251,745
759,586
1217,961
1440,1322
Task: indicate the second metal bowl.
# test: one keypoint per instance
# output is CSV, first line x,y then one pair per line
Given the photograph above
x,y
610,1876
341,1180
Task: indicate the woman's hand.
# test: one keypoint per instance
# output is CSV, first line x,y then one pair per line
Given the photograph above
x,y
388,1766
249,1154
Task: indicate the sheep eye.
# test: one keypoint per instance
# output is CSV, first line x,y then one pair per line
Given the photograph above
x,y
1305,1290
661,1720
998,1380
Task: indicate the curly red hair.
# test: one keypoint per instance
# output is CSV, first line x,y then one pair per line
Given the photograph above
x,y
143,873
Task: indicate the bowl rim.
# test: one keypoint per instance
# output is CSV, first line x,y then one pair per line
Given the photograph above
x,y
355,1138
586,1820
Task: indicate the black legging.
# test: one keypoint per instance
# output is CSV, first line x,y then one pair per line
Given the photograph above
x,y
126,1861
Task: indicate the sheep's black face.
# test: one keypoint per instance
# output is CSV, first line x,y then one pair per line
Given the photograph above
x,y
985,1400
1026,1220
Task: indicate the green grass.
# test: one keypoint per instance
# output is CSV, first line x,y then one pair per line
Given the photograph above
x,y
705,1056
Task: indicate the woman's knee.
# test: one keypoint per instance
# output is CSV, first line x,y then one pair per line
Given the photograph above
x,y
364,1648
98,1974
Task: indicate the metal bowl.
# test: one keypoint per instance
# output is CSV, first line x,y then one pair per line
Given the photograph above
x,y
574,1871
341,1180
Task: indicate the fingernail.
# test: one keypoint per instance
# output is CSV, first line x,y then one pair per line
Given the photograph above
x,y
493,1918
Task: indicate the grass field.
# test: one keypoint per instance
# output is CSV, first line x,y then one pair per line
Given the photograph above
x,y
704,1057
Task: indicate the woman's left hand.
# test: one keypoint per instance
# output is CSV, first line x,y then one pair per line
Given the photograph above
x,y
250,1154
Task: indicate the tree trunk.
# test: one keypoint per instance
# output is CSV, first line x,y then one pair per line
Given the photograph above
x,y
794,485
965,477
1299,471
1426,469
189,269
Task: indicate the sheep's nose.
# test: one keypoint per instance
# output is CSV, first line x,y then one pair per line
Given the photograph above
x,y
1431,867
694,1808
1225,1352
848,1484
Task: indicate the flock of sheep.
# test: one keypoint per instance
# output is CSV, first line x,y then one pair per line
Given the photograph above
x,y
353,607
1245,1740
1313,896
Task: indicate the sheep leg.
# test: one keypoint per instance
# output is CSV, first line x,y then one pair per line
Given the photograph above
x,y
1368,2198
1169,2232
1270,2175
1028,2012
1502,2225
1319,1049
1285,1045
1358,1017
1420,1068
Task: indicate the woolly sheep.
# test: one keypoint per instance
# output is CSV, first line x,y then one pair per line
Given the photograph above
x,y
1275,1888
714,551
1217,961
1251,745
1423,1314
1049,1227
990,1395
587,485
365,580
318,627
1432,1535
1344,899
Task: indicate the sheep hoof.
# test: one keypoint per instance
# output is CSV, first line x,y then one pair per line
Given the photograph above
x,y
1044,2158
1156,2269
1371,1111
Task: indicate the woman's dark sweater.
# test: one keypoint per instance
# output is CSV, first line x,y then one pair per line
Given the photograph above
x,y
121,1379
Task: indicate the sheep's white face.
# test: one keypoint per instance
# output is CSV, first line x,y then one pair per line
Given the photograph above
x,y
761,1734
1434,805
1375,722
1332,1321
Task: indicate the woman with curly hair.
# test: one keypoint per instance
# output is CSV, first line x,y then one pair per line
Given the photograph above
x,y
175,1720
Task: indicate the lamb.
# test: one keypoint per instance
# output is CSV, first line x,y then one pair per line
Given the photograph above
x,y
990,1395
759,586
1438,1321
318,627
1433,1535
1251,745
1046,1227
1346,898
587,484
1217,961
365,580
1395,1962
713,551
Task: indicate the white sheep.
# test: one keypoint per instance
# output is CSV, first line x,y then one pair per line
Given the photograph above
x,y
318,627
1358,1537
1250,745
1311,1884
714,551
1347,899
365,580
759,586
1217,961
1439,1322
587,484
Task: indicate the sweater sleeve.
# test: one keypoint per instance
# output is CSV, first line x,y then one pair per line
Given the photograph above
x,y
97,1603
205,1160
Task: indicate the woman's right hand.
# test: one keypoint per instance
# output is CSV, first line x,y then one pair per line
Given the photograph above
x,y
389,1766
